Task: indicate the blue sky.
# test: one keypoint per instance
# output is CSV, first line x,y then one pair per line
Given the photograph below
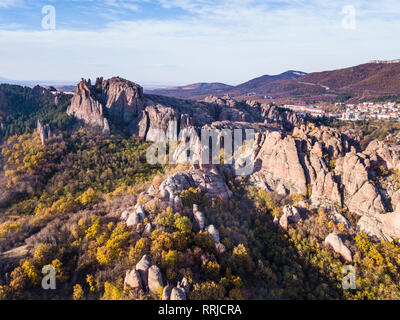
x,y
185,41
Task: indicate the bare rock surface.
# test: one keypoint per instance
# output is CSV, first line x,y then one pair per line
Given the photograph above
x,y
166,294
199,217
154,279
213,233
133,280
290,215
338,246
178,294
143,267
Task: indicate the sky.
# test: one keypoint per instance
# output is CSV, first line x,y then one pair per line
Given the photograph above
x,y
175,42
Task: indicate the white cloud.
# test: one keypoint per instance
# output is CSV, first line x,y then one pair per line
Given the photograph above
x,y
11,3
229,41
127,4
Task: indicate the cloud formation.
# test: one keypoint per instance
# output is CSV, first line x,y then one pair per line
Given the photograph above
x,y
226,41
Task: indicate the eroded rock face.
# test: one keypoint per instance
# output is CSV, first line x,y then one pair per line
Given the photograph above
x,y
212,182
135,217
184,285
338,246
213,233
290,215
143,267
154,279
43,131
166,294
133,220
383,226
325,187
85,107
280,163
360,195
133,280
178,294
199,217
148,229
125,215
338,218
299,163
389,156
122,99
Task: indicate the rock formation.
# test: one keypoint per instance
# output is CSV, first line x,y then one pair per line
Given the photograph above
x,y
43,131
133,280
338,246
154,279
120,99
199,217
289,157
213,232
360,195
212,182
178,294
166,294
135,217
290,215
143,267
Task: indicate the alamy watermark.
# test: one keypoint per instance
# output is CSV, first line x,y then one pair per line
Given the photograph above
x,y
349,281
214,146
349,21
49,19
49,280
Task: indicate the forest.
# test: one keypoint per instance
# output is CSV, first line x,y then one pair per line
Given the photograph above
x,y
61,205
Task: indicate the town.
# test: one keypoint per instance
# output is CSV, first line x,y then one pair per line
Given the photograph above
x,y
352,112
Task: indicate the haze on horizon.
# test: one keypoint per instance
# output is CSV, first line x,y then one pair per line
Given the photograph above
x,y
186,41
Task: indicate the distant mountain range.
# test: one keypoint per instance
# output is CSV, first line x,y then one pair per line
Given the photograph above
x,y
59,85
203,89
371,80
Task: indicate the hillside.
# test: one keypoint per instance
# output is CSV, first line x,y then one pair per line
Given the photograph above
x,y
261,84
366,81
85,199
193,91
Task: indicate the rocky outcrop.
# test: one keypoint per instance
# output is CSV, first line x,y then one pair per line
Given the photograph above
x,y
166,294
382,226
338,246
154,279
199,217
290,216
338,218
85,107
178,294
212,182
388,156
123,99
143,267
213,232
120,99
135,217
279,163
184,285
318,162
133,280
43,131
360,196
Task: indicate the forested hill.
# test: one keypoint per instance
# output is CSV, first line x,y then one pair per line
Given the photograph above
x,y
21,107
84,200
